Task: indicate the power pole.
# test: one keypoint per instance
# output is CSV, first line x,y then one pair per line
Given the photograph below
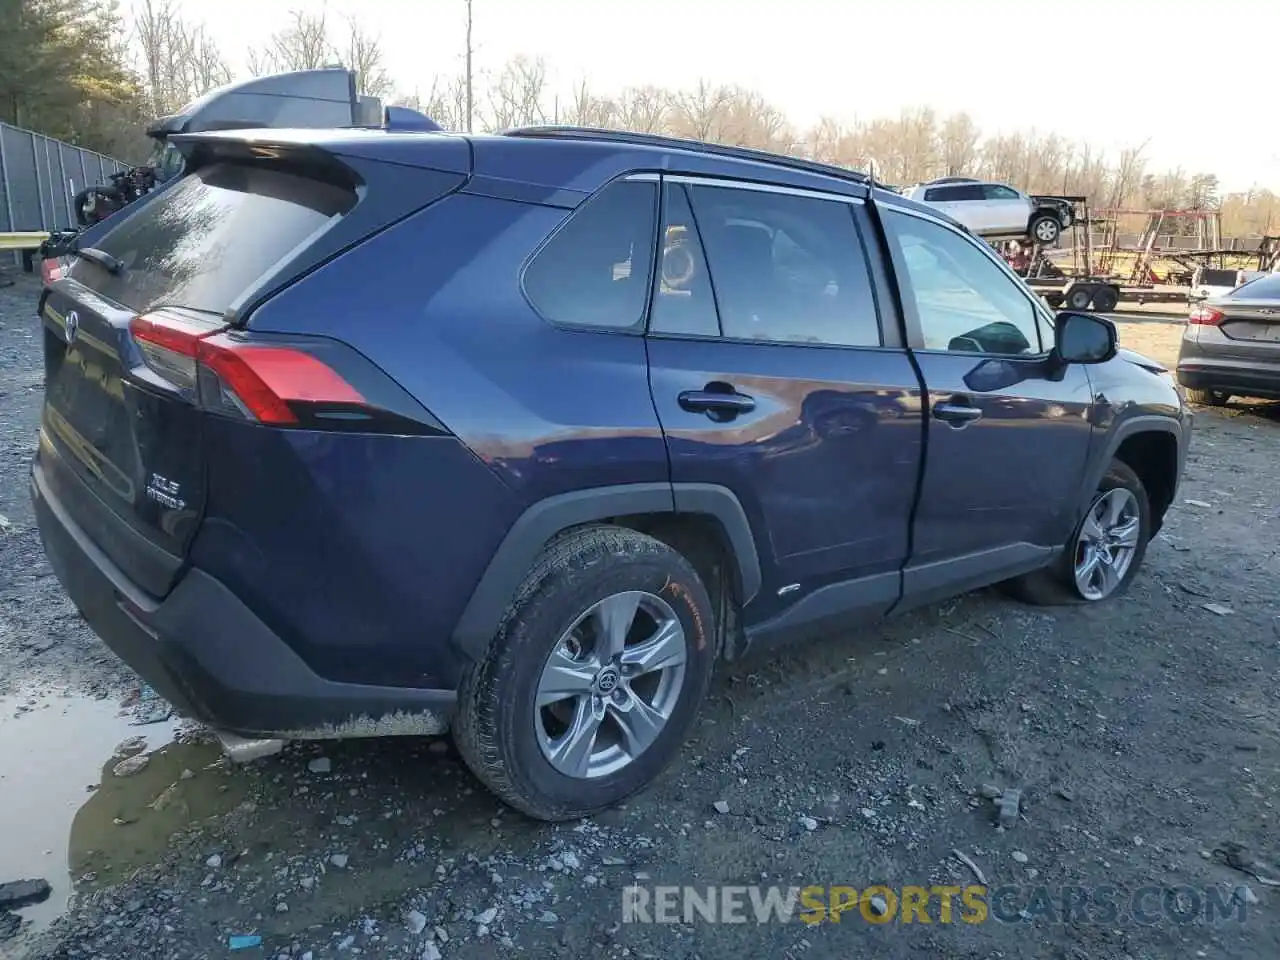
x,y
470,107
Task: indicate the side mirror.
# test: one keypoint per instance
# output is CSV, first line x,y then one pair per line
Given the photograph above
x,y
1084,338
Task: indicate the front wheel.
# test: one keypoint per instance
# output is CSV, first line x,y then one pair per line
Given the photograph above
x,y
594,678
1104,553
1044,229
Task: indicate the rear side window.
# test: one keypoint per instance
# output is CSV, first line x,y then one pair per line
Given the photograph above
x,y
594,271
786,269
213,236
996,191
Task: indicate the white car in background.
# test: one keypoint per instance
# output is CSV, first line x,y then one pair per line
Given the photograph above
x,y
996,210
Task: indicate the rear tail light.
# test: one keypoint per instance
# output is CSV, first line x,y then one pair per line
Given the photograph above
x,y
268,383
1206,316
51,268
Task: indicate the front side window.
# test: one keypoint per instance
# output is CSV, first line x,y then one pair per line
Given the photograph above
x,y
995,191
965,302
785,268
594,271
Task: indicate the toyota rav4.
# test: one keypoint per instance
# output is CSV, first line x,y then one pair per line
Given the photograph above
x,y
357,433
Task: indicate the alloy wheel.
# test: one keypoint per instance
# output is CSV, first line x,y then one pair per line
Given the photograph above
x,y
1107,543
610,685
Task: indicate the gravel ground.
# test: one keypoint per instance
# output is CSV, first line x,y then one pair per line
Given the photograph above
x,y
1143,736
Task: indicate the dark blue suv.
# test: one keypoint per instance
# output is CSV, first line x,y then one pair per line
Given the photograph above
x,y
354,433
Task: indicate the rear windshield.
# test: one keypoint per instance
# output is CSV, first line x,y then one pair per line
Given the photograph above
x,y
1267,287
213,236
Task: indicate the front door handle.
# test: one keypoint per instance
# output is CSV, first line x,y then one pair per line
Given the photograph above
x,y
719,404
957,412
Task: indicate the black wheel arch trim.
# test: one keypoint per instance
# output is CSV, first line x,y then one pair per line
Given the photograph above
x,y
1122,431
544,520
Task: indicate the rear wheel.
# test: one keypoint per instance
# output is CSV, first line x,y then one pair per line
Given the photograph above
x,y
1105,300
1044,228
1207,398
1104,553
594,677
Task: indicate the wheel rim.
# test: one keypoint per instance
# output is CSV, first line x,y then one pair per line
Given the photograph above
x,y
610,685
1044,230
1107,543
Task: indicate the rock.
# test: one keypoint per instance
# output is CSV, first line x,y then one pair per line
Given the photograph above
x,y
879,906
548,916
22,893
10,924
990,791
482,931
1244,894
1008,805
214,862
868,813
487,917
307,883
570,860
442,934
1221,609
431,952
346,942
320,765
415,921
127,768
340,860
1198,503
186,775
721,806
1019,856
809,823
282,907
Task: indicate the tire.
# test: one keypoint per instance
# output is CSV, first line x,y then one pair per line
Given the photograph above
x,y
1206,397
1080,298
507,740
1057,583
1044,228
1105,300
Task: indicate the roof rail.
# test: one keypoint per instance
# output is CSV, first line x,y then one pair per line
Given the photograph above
x,y
682,143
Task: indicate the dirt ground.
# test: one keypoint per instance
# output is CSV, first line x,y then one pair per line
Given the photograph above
x,y
1143,734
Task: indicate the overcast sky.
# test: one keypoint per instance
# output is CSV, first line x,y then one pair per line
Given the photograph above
x,y
1197,78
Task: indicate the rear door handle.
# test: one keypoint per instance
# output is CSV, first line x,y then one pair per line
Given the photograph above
x,y
717,404
957,412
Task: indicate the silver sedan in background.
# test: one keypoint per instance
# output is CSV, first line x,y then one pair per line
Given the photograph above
x,y
1231,346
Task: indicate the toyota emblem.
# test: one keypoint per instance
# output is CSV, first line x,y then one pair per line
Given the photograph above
x,y
71,326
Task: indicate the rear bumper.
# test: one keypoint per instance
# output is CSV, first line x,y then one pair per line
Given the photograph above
x,y
210,656
1237,377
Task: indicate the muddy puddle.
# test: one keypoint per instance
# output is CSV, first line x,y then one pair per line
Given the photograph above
x,y
65,817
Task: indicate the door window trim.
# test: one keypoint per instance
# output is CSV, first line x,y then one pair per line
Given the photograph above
x,y
891,337
911,316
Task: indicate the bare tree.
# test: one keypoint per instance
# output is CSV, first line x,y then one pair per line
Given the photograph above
x,y
364,56
958,144
517,96
698,113
588,110
470,93
644,109
302,45
179,60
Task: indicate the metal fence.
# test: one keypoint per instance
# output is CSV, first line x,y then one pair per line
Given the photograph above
x,y
40,175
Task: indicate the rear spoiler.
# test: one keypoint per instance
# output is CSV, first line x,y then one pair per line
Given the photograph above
x,y
338,150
